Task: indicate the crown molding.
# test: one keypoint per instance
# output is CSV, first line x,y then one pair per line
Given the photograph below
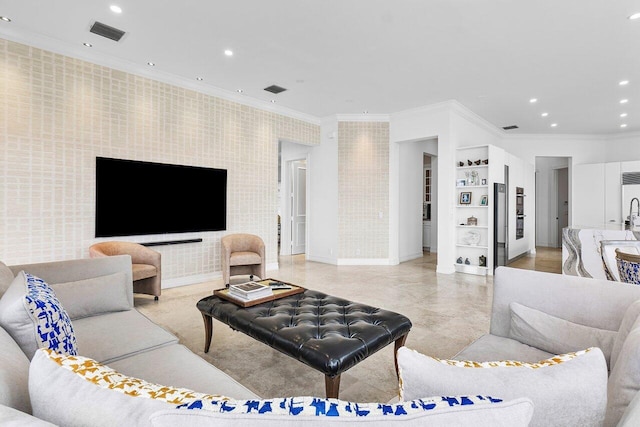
x,y
363,117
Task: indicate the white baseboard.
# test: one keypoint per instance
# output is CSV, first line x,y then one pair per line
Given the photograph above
x,y
324,260
411,256
199,278
364,261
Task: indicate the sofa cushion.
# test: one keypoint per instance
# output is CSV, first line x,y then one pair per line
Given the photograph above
x,y
556,335
629,319
113,336
624,379
98,295
491,347
75,390
177,365
34,317
10,417
313,411
6,277
548,383
14,375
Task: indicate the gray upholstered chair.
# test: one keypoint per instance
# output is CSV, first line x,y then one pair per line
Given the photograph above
x,y
242,254
628,267
146,264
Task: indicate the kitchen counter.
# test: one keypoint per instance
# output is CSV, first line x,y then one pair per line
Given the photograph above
x,y
581,247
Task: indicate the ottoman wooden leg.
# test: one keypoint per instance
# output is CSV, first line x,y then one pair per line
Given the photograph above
x,y
208,331
399,343
332,386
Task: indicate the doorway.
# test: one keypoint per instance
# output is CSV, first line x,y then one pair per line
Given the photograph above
x,y
552,200
298,205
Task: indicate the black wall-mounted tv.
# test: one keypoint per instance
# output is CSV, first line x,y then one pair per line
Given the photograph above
x,y
136,198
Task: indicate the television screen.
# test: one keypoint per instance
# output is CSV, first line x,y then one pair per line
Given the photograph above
x,y
135,198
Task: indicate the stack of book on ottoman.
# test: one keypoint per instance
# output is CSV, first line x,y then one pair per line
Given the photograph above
x,y
250,291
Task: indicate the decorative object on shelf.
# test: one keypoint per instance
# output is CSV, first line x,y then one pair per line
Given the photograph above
x,y
467,262
460,164
472,238
459,260
485,162
469,162
483,261
483,181
472,220
461,182
477,162
472,177
484,200
465,198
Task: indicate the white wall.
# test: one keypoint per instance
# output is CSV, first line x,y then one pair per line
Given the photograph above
x,y
322,224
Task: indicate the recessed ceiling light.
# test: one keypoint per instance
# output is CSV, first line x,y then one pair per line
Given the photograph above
x,y
553,125
5,19
544,114
533,100
623,115
624,101
624,125
635,16
152,64
199,79
228,52
88,44
115,9
623,82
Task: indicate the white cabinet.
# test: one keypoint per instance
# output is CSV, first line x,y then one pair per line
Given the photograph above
x,y
588,205
426,234
613,193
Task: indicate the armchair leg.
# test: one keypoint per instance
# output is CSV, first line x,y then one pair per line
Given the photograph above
x,y
155,298
251,277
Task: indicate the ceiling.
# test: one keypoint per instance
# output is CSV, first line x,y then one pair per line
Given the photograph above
x,y
378,56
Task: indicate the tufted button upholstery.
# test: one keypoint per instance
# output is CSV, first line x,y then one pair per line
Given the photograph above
x,y
328,333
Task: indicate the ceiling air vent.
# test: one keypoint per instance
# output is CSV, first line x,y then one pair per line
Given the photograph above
x,y
274,89
630,178
510,127
106,31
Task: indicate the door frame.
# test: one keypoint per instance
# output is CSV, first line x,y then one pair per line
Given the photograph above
x,y
293,165
285,210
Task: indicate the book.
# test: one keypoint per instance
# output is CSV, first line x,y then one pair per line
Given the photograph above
x,y
250,291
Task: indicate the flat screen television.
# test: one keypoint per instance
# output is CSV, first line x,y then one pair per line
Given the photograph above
x,y
136,198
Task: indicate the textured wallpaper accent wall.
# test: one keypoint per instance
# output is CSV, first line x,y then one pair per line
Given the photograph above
x,y
363,187
58,113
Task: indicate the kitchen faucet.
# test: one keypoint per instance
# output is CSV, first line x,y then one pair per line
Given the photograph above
x,y
631,216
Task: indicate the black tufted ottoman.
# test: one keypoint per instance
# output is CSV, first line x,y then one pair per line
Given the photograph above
x,y
329,334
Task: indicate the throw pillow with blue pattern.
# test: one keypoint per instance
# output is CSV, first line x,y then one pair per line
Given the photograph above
x,y
32,314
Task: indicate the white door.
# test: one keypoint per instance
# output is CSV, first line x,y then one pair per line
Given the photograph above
x,y
298,206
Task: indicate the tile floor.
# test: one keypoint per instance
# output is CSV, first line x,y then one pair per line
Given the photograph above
x,y
447,311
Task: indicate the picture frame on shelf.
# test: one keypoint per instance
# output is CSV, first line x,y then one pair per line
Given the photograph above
x,y
465,198
483,181
484,200
461,182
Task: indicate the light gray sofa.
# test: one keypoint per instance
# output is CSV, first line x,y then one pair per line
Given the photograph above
x,y
120,337
536,315
146,378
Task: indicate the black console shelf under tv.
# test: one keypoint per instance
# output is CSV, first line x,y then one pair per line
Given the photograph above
x,y
142,198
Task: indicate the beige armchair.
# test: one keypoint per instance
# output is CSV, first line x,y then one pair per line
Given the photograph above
x,y
242,254
146,265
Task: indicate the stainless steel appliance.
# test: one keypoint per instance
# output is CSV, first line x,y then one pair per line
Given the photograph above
x,y
500,224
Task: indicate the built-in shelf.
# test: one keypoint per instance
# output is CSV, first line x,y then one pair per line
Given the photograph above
x,y
472,226
460,245
471,186
472,206
471,269
473,167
